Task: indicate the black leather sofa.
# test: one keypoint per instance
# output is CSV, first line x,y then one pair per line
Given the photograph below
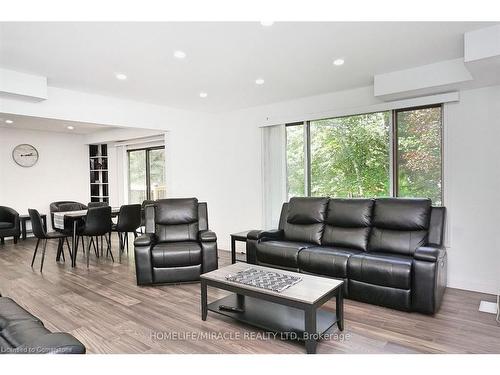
x,y
388,251
177,246
23,333
9,224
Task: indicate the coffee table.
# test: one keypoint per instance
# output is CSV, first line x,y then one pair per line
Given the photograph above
x,y
294,312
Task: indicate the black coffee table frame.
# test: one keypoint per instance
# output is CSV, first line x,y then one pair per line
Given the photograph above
x,y
305,321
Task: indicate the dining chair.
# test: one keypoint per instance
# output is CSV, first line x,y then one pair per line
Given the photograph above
x,y
145,203
129,220
97,204
97,223
92,205
42,235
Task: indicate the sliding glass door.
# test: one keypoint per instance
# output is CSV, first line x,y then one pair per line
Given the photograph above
x,y
146,174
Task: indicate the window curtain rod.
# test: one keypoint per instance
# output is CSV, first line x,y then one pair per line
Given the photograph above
x,y
350,111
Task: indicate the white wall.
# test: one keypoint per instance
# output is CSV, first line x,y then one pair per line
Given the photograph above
x,y
62,171
472,185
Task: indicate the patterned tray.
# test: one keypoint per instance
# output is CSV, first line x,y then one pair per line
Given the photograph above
x,y
274,281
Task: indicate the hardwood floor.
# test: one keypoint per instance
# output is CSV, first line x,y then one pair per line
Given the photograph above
x,y
104,308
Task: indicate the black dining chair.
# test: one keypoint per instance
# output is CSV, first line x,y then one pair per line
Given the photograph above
x,y
42,235
129,220
97,204
97,223
145,203
92,205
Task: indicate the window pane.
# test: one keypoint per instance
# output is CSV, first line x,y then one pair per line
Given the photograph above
x,y
157,174
350,156
136,176
295,159
419,153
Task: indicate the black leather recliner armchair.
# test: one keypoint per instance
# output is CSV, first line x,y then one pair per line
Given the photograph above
x,y
9,224
23,333
388,251
177,246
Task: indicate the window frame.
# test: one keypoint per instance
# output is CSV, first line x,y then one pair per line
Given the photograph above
x,y
148,167
395,151
393,148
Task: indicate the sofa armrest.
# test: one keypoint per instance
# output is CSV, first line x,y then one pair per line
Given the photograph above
x,y
429,253
275,234
207,236
147,239
52,343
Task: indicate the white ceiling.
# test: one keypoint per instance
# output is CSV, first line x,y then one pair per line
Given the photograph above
x,y
46,124
223,59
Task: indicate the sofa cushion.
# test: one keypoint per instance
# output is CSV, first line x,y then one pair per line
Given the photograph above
x,y
305,219
328,261
348,223
6,225
176,211
402,214
399,225
280,253
389,270
306,210
396,241
21,332
349,213
10,312
176,254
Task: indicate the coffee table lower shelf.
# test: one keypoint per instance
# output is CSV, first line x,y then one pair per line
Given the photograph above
x,y
273,317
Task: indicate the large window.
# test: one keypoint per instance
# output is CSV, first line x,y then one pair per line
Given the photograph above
x,y
391,153
419,135
146,174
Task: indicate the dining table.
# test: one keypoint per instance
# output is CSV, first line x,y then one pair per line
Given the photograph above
x,y
75,217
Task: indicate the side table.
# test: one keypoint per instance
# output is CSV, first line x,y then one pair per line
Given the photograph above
x,y
24,218
240,236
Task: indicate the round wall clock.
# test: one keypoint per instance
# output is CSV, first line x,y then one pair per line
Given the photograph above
x,y
25,155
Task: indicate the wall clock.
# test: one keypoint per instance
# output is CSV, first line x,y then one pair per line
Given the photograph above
x,y
25,155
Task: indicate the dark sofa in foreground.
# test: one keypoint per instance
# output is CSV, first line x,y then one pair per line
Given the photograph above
x,y
23,333
388,251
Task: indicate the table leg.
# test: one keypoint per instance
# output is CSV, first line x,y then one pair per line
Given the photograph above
x,y
310,330
204,305
23,229
339,300
233,250
73,261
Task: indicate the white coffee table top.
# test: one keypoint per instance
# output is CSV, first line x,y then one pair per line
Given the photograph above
x,y
309,290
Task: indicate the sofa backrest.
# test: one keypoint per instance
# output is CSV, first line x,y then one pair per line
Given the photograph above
x,y
399,225
176,219
348,223
305,219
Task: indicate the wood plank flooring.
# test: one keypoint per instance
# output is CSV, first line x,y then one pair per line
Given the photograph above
x,y
104,308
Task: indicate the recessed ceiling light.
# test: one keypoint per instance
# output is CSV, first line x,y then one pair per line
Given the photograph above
x,y
203,94
9,121
179,54
69,127
338,62
266,23
259,81
121,76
